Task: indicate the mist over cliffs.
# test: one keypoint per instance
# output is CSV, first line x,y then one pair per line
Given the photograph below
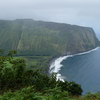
x,y
31,37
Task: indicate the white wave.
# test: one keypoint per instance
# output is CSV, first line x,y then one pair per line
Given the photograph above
x,y
56,65
86,52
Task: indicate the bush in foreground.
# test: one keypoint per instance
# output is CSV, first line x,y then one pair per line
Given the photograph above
x,y
14,76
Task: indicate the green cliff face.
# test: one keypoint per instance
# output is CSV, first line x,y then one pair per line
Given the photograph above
x,y
31,37
80,40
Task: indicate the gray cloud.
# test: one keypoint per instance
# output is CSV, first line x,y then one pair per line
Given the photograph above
x,y
80,12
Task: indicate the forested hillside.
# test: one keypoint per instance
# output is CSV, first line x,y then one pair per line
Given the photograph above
x,y
38,38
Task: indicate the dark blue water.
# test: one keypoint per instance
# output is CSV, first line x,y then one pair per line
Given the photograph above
x,y
83,69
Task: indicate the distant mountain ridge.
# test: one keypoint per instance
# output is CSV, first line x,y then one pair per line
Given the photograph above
x,y
31,37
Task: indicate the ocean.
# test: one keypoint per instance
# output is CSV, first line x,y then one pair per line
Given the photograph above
x,y
82,68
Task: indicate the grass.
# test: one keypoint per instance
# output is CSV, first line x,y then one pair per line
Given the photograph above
x,y
30,94
40,61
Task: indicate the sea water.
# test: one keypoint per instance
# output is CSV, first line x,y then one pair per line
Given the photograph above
x,y
82,68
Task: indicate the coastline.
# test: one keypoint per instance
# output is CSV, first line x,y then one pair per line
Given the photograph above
x,y
54,62
49,64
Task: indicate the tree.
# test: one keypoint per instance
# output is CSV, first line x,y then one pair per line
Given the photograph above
x,y
17,76
74,88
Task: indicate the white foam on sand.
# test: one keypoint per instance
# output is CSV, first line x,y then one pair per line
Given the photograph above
x,y
56,65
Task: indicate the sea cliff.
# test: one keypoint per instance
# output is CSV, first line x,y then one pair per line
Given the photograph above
x,y
31,37
45,40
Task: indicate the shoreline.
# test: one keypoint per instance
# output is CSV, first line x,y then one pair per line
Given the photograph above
x,y
49,64
62,58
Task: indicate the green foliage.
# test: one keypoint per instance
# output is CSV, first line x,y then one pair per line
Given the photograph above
x,y
14,76
37,38
24,94
32,83
46,39
57,94
91,96
30,94
40,61
5,57
20,83
71,87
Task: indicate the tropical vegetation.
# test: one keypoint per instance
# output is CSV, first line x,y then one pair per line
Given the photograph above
x,y
24,74
17,82
16,79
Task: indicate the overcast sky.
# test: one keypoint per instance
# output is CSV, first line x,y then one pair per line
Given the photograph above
x,y
79,12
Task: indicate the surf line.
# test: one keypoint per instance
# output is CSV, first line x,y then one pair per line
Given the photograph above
x,y
56,65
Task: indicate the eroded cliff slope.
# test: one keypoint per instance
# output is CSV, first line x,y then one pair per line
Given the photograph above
x,y
31,37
